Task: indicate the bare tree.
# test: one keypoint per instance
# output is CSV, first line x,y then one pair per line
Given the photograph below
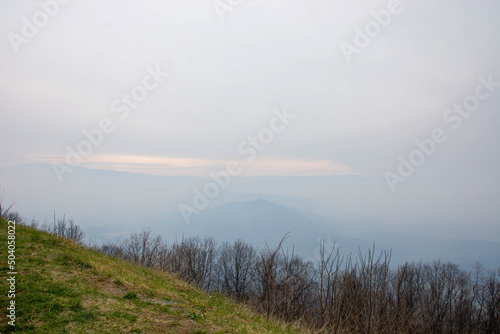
x,y
194,260
142,247
335,295
294,287
236,268
492,301
266,278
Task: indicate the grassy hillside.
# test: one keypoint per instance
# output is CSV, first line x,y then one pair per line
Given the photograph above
x,y
64,288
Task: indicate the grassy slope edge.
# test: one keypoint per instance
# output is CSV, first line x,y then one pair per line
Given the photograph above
x,y
65,288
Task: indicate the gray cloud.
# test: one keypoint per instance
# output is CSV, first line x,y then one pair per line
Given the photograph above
x,y
226,76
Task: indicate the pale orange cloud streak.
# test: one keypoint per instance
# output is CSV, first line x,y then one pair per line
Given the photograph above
x,y
170,166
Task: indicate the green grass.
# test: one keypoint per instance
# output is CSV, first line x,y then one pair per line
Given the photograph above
x,y
65,288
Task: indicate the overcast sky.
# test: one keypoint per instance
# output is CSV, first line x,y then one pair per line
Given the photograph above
x,y
229,70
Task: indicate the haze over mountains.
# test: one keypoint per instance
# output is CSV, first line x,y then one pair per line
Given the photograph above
x,y
348,210
370,127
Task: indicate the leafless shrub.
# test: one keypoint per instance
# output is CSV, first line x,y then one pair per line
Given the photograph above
x,y
67,228
112,249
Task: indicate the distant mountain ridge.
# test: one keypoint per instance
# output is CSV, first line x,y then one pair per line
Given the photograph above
x,y
262,222
257,209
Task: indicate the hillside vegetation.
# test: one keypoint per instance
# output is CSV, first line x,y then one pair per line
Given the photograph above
x,y
146,284
63,287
